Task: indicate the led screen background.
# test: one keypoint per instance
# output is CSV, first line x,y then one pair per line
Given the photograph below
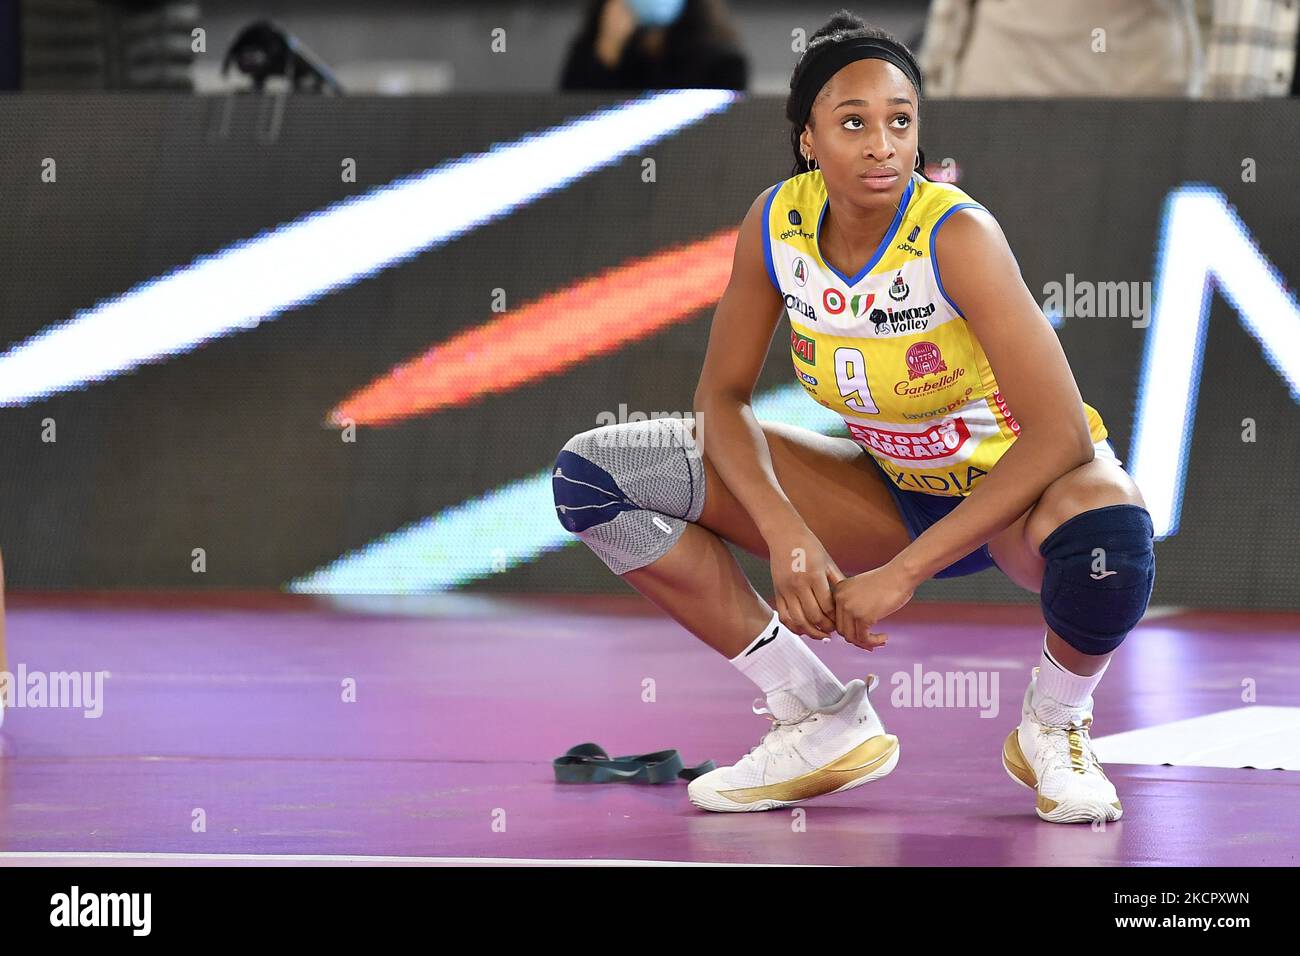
x,y
228,446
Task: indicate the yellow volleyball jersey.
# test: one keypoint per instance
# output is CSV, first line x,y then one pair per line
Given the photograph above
x,y
887,349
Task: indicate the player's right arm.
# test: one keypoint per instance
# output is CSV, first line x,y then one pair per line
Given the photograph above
x,y
743,324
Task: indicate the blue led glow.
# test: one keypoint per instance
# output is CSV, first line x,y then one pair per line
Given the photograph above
x,y
498,530
1203,245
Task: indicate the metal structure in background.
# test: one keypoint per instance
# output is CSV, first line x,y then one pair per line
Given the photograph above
x,y
264,51
107,44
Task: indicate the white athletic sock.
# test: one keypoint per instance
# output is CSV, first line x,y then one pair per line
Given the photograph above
x,y
792,678
1062,695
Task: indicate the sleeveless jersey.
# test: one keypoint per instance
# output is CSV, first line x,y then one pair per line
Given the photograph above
x,y
887,349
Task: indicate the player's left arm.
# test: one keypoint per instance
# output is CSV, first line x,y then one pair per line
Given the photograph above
x,y
982,277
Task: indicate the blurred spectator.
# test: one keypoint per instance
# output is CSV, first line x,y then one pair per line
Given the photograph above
x,y
1008,48
655,45
1252,49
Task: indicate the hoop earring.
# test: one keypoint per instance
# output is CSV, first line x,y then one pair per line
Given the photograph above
x,y
810,162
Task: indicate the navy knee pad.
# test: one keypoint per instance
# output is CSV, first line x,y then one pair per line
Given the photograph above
x,y
629,490
585,494
1100,571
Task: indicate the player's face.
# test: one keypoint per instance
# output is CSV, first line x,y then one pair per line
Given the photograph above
x,y
863,132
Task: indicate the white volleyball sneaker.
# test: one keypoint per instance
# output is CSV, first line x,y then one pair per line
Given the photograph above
x,y
828,750
1058,763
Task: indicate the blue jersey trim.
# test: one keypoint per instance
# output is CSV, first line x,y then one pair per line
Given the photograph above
x,y
767,235
884,242
934,260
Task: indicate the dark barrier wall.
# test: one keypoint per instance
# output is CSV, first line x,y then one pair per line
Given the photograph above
x,y
217,466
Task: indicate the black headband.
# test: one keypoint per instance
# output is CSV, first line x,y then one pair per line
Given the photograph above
x,y
839,55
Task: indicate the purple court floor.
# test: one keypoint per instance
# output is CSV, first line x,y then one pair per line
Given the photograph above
x,y
225,737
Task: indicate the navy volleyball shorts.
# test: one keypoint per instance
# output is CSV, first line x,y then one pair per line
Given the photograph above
x,y
920,510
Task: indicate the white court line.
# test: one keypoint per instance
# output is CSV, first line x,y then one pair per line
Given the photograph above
x,y
15,857
1258,736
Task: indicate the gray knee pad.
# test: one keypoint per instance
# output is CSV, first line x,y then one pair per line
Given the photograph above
x,y
628,490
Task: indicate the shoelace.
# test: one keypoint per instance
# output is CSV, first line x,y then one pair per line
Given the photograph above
x,y
779,727
1073,744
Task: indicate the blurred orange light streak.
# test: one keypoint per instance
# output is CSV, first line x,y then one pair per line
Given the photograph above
x,y
590,318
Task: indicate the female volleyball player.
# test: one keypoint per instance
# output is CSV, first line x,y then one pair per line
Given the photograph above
x,y
908,317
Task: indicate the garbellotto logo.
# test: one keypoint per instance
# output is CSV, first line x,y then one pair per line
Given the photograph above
x,y
803,347
941,440
933,385
833,299
923,359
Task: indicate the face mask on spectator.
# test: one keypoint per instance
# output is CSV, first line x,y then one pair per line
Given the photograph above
x,y
656,13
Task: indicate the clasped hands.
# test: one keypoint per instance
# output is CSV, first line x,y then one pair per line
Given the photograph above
x,y
815,599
